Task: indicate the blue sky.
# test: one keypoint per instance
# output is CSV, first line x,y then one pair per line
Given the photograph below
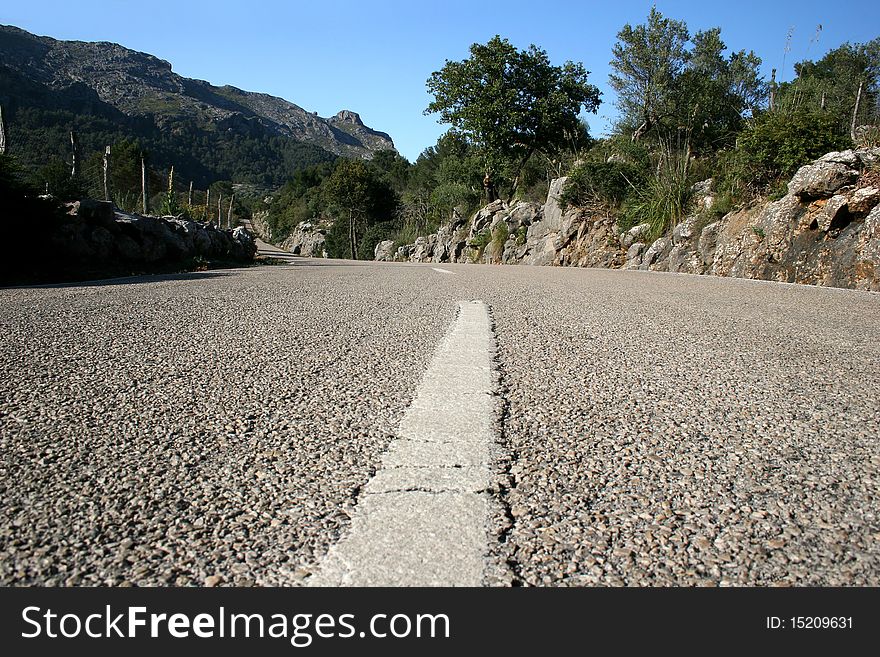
x,y
374,57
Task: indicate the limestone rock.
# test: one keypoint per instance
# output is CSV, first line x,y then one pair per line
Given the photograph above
x,y
307,240
821,179
383,251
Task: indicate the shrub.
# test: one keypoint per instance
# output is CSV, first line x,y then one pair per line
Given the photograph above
x,y
374,234
663,200
776,144
604,182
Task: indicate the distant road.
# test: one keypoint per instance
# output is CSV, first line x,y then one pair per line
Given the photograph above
x,y
335,422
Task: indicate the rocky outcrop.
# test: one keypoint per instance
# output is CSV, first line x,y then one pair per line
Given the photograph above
x,y
825,231
95,238
307,239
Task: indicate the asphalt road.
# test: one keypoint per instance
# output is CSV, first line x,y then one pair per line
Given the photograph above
x,y
648,429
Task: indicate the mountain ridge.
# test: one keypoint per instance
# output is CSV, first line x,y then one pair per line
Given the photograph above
x,y
142,86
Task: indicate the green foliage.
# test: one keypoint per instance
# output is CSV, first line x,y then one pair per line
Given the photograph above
x,y
512,103
609,183
298,200
42,122
358,197
776,144
648,60
665,80
500,234
478,244
831,84
664,199
54,178
372,236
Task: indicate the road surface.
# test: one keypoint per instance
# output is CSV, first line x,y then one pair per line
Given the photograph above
x,y
332,422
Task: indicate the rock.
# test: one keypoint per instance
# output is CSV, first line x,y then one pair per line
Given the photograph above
x,y
307,240
708,243
702,191
847,158
213,580
836,207
634,234
97,212
682,260
634,254
384,251
826,231
821,179
684,231
658,251
863,200
552,214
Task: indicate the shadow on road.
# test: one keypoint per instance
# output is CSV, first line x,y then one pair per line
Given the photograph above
x,y
126,280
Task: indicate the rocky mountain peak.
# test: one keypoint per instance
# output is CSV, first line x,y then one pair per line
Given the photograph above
x,y
141,85
347,116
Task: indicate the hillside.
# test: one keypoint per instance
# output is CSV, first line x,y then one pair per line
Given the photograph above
x,y
107,92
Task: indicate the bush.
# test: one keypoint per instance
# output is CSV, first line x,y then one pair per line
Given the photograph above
x,y
776,144
604,182
664,198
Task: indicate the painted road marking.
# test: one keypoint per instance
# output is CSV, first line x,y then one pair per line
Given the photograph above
x,y
422,519
442,271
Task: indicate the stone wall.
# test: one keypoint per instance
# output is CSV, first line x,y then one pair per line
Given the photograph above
x,y
95,240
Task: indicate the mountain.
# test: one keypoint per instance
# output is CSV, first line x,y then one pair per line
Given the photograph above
x,y
107,92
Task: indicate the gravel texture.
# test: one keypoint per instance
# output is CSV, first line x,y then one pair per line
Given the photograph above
x,y
680,430
205,429
656,429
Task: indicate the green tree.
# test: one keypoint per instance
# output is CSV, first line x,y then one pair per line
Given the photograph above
x,y
359,197
648,61
831,84
511,103
666,80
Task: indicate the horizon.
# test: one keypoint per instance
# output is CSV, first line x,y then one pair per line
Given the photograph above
x,y
399,45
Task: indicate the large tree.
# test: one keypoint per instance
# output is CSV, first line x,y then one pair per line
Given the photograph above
x,y
357,195
511,103
832,83
648,60
666,80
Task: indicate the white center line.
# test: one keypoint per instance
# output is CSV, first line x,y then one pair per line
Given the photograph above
x,y
442,271
422,519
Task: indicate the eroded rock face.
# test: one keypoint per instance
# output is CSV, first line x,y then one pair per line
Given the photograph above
x,y
307,239
825,231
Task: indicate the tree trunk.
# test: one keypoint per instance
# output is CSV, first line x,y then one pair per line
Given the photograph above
x,y
208,206
773,90
2,132
220,211
229,214
852,130
516,175
351,243
189,198
489,188
107,174
74,156
143,185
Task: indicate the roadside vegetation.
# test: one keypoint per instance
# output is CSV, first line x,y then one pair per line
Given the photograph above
x,y
689,110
